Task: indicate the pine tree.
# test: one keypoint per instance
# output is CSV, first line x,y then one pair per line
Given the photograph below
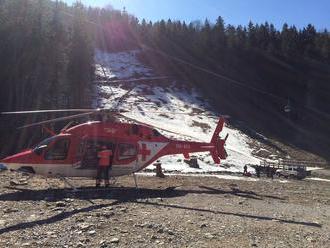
x,y
252,41
80,57
231,36
308,36
58,60
274,40
219,35
323,45
289,40
241,37
206,36
262,36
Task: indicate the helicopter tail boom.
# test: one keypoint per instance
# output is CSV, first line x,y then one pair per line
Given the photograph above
x,y
215,147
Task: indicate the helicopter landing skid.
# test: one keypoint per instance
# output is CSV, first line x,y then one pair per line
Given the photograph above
x,y
135,180
66,181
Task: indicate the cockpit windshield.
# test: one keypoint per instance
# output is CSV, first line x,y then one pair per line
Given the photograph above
x,y
44,143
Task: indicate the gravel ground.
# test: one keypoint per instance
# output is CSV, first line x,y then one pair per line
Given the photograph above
x,y
171,212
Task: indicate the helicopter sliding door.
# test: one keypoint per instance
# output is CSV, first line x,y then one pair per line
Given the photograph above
x,y
90,147
123,161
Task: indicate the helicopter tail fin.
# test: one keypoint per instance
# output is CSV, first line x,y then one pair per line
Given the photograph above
x,y
219,151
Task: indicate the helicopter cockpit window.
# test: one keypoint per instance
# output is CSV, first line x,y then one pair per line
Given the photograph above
x,y
43,144
59,150
127,151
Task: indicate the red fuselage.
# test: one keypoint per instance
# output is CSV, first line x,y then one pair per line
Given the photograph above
x,y
74,152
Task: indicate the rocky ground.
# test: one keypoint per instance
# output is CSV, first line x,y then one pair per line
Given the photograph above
x,y
170,212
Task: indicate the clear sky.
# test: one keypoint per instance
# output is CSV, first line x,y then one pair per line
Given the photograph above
x,y
294,12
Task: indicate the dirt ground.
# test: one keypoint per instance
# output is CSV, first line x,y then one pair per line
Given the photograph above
x,y
171,212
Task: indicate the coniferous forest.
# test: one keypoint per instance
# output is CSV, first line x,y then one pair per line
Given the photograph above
x,y
47,49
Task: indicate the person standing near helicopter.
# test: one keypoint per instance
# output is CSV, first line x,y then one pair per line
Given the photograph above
x,y
104,163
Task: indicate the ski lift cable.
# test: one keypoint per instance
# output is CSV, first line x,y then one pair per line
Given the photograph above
x,y
234,81
212,73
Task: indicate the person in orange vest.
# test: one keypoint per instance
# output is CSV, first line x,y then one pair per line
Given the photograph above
x,y
104,156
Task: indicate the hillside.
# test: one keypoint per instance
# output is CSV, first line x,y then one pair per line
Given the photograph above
x,y
255,93
172,104
166,104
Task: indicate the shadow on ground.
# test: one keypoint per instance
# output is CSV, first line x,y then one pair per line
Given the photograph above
x,y
121,195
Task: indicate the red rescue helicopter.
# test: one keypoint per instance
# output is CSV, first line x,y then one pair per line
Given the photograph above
x,y
73,152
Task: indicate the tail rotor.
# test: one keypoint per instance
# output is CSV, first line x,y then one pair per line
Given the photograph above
x,y
218,151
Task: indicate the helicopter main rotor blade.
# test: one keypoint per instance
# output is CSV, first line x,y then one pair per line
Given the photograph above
x,y
157,127
113,112
131,80
57,120
182,113
50,111
100,110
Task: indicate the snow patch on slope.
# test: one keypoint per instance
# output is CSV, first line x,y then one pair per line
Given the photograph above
x,y
122,65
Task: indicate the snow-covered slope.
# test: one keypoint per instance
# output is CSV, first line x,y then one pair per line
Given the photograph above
x,y
171,106
122,65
